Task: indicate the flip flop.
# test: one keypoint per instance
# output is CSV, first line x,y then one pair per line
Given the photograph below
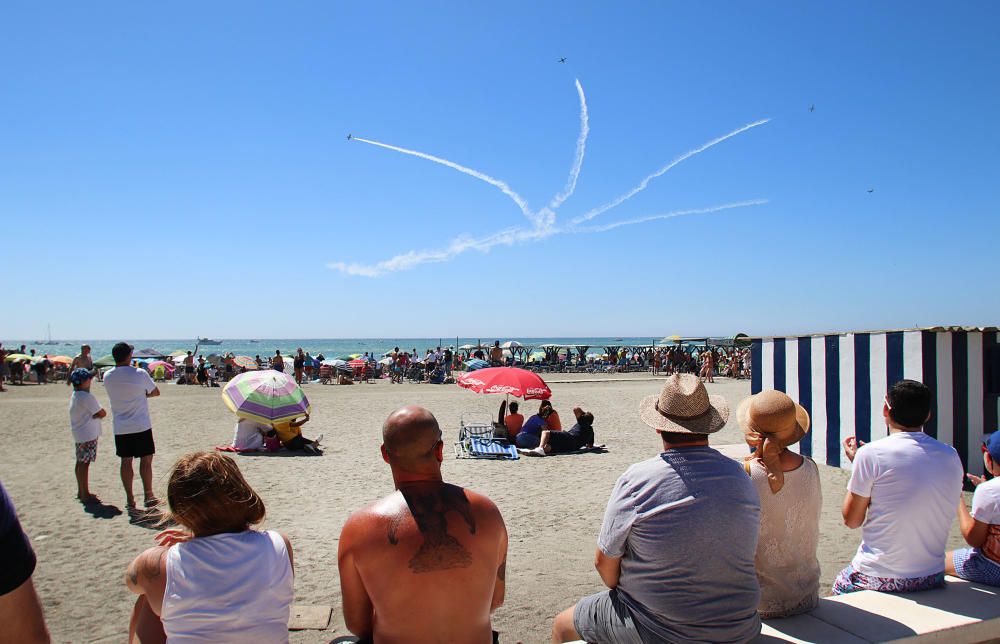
x,y
152,503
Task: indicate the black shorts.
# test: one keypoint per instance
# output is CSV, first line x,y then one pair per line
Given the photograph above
x,y
188,369
297,444
135,445
564,442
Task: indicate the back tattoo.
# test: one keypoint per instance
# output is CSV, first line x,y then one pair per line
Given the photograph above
x,y
429,506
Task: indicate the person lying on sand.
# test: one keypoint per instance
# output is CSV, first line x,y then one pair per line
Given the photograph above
x,y
579,435
291,436
428,562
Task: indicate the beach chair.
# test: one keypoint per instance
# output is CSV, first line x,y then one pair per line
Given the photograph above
x,y
477,439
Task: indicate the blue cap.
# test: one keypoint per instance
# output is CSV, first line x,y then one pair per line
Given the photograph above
x,y
992,446
81,375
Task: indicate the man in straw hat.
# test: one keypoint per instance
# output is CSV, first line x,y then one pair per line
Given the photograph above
x,y
676,548
902,493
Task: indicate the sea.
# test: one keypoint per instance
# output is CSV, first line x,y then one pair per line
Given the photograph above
x,y
329,347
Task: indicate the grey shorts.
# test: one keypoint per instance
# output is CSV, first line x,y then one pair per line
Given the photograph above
x,y
604,618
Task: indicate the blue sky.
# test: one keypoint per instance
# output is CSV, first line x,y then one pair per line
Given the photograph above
x,y
178,170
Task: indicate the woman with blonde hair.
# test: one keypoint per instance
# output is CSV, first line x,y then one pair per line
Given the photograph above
x,y
790,503
215,579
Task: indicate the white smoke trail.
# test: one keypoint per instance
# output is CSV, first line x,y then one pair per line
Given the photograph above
x,y
670,215
581,148
509,237
645,182
506,189
459,245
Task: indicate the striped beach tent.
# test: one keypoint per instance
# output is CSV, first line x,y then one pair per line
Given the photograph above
x,y
842,378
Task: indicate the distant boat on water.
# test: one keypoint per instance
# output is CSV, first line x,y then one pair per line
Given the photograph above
x,y
207,341
48,337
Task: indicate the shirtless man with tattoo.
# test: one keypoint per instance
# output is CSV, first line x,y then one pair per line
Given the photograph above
x,y
426,563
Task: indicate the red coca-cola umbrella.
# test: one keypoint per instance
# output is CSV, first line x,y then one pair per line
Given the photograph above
x,y
519,383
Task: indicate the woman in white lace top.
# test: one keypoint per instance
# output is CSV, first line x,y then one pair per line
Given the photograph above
x,y
790,503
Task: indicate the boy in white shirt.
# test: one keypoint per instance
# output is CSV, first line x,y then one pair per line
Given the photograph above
x,y
981,527
85,415
902,494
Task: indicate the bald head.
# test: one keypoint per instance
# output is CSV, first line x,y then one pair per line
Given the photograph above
x,y
410,438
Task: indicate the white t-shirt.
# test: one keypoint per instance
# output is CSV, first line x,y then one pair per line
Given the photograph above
x,y
127,388
914,483
248,434
82,407
986,502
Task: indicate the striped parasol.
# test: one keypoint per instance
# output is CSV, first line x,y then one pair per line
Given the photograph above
x,y
265,396
245,361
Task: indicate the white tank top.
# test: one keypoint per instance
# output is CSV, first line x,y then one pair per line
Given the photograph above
x,y
233,587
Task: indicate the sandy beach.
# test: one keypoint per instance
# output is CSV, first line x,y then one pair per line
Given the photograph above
x,y
552,506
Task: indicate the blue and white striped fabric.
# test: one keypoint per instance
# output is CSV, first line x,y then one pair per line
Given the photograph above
x,y
490,448
842,380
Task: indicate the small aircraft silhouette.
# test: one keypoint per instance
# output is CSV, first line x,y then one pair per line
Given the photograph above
x,y
562,59
350,136
871,190
812,108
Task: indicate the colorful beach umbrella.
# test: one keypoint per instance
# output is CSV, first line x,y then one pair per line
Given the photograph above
x,y
357,362
14,357
61,360
475,365
245,362
265,396
519,383
106,361
151,366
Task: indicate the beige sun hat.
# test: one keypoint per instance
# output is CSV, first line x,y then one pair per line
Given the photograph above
x,y
684,407
773,414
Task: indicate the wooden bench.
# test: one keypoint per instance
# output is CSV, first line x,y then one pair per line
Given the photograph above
x,y
961,612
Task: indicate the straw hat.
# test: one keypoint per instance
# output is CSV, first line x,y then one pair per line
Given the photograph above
x,y
773,413
684,407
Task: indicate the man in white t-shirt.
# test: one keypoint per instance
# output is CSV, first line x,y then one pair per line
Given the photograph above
x,y
128,388
903,492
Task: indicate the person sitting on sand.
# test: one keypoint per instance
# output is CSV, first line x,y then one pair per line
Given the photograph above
x,y
902,493
249,435
790,503
291,436
513,422
530,435
676,548
277,362
428,562
579,435
85,414
215,579
552,420
981,527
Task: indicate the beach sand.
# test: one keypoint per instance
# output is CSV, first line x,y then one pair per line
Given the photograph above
x,y
552,506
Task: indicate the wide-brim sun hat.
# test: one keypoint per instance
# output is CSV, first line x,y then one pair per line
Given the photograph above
x,y
684,406
773,413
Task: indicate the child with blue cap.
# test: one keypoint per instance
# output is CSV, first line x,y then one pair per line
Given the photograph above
x,y
85,415
981,527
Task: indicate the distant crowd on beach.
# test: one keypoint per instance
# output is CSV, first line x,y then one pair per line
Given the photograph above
x,y
694,545
434,365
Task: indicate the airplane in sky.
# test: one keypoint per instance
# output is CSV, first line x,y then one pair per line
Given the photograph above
x,y
350,136
871,190
562,59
